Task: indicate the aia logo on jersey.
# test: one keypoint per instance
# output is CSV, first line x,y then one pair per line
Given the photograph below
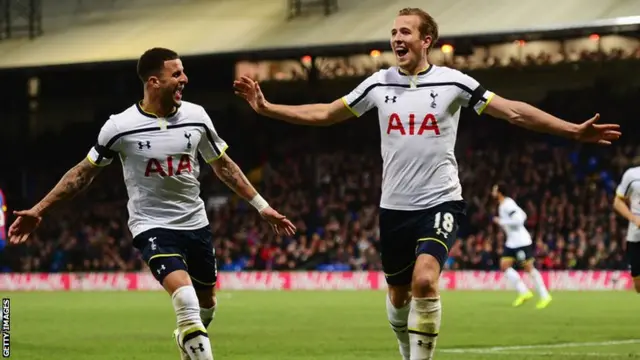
x,y
426,124
170,167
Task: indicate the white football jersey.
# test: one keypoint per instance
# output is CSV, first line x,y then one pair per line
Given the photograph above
x,y
512,219
629,189
418,118
160,164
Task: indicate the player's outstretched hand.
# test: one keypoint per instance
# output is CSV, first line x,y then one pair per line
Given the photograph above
x,y
602,134
249,90
279,223
26,223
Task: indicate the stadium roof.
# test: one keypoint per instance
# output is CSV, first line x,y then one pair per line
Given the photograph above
x,y
205,27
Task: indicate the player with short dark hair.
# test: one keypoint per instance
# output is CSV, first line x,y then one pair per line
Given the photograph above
x,y
158,140
627,204
518,248
421,206
152,62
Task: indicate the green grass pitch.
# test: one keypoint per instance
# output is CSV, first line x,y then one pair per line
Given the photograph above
x,y
323,326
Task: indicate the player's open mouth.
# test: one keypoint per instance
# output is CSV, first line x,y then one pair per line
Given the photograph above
x,y
401,52
178,94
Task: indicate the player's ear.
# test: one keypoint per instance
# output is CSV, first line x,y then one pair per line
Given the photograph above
x,y
426,42
154,81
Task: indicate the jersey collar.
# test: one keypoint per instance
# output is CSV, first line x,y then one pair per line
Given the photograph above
x,y
421,72
152,115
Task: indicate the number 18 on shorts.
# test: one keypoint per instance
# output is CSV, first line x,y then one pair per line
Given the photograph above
x,y
404,235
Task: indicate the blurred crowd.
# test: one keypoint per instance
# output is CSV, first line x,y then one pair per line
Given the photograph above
x,y
328,182
364,65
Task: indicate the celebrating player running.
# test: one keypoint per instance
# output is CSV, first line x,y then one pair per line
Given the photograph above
x,y
157,140
418,109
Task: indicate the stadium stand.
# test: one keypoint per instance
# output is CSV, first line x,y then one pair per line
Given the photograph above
x,y
125,28
330,186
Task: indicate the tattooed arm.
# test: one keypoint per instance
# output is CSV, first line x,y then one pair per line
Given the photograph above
x,y
229,172
72,183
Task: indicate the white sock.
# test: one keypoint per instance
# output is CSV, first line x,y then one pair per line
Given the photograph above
x,y
193,335
206,315
424,325
516,281
398,321
541,289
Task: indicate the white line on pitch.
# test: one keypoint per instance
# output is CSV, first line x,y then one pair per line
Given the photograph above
x,y
542,346
547,354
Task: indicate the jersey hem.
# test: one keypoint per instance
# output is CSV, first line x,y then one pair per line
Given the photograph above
x,y
516,247
224,150
94,163
346,104
139,230
489,98
416,207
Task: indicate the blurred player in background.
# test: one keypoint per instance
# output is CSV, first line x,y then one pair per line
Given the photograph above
x,y
518,248
627,204
421,205
157,140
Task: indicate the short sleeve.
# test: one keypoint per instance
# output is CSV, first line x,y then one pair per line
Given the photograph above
x,y
360,99
508,209
472,94
103,152
211,146
512,209
622,191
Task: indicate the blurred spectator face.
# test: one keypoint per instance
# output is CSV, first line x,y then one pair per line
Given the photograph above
x,y
488,247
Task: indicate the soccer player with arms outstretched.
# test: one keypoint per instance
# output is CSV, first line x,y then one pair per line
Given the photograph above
x,y
627,204
518,248
157,140
421,205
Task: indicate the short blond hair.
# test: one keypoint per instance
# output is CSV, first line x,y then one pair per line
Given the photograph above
x,y
428,25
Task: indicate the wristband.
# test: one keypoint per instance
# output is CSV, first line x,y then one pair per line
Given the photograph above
x,y
259,203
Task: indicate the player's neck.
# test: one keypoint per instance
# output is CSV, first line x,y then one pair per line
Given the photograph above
x,y
501,199
156,108
419,68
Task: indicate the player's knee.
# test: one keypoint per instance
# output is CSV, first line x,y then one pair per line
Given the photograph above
x,y
399,296
505,264
527,266
206,297
175,280
207,302
426,284
636,283
426,276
